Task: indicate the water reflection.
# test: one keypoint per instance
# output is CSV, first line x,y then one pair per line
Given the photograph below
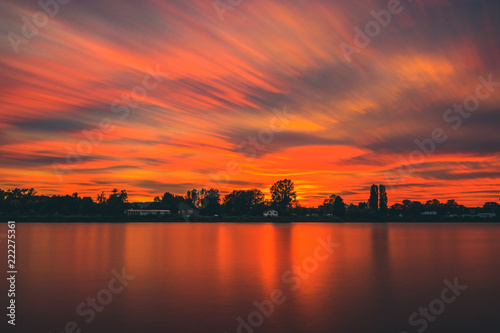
x,y
202,277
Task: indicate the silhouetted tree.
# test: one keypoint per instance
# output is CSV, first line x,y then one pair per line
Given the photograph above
x,y
26,202
192,198
383,200
101,198
327,206
452,207
171,202
205,201
210,201
240,202
373,201
283,194
156,204
407,208
339,207
434,205
492,207
87,206
117,202
360,212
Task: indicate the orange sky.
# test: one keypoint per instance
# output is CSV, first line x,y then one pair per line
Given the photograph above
x,y
344,124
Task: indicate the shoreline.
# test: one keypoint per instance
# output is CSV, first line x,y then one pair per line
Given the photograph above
x,y
235,219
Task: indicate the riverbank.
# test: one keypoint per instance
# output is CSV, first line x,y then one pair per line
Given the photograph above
x,y
237,219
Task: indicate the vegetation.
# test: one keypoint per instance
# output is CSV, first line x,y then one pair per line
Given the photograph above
x,y
373,201
245,202
382,200
333,206
27,202
283,194
238,205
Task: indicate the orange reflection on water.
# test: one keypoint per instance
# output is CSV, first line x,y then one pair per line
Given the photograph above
x,y
196,277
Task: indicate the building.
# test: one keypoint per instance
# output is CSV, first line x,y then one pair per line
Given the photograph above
x,y
143,212
486,215
271,212
430,213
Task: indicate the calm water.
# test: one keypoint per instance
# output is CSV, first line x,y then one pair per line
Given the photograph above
x,y
202,277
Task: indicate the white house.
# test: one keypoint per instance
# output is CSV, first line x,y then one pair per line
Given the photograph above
x,y
271,212
433,213
143,212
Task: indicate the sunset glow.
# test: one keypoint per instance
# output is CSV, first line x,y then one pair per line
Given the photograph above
x,y
271,71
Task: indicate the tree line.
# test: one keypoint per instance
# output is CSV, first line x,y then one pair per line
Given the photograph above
x,y
28,202
209,202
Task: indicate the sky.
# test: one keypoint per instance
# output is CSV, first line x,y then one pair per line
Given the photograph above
x,y
154,96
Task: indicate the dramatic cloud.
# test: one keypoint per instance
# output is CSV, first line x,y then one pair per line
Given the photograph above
x,y
157,96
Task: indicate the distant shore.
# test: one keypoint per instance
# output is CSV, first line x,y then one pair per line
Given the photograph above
x,y
238,219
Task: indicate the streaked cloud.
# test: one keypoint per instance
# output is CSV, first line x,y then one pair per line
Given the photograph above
x,y
354,120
